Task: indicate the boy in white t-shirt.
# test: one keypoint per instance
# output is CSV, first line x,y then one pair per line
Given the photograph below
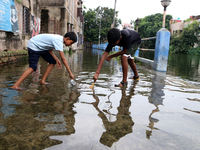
x,y
42,45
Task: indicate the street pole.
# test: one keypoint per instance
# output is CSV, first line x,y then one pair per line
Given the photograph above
x,y
165,3
114,14
99,32
164,15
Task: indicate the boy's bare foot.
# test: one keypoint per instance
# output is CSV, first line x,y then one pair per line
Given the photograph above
x,y
17,88
45,83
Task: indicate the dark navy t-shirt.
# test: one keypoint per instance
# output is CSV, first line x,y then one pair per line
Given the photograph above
x,y
129,37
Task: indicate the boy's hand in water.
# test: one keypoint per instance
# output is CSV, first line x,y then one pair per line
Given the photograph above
x,y
95,77
59,65
72,76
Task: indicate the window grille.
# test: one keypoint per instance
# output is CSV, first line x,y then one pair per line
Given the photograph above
x,y
26,20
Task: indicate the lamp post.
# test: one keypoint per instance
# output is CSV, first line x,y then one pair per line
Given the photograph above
x,y
165,3
162,44
99,33
137,23
99,16
113,25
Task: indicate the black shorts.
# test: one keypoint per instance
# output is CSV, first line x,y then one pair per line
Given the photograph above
x,y
35,55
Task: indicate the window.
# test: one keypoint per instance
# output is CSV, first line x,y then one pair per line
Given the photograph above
x,y
26,20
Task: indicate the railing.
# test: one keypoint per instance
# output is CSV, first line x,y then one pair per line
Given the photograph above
x,y
145,39
160,52
147,62
103,47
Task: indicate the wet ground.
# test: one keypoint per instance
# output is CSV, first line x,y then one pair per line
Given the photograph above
x,y
159,112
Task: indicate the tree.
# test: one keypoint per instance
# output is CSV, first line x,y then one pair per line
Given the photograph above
x,y
92,22
150,25
186,40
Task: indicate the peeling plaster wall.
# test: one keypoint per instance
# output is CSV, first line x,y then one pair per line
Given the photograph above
x,y
9,41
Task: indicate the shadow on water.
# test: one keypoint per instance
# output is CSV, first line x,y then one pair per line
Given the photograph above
x,y
161,111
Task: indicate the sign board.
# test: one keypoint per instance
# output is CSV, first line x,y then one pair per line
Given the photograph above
x,y
8,16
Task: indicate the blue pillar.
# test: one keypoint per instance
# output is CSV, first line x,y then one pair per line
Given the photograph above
x,y
137,52
161,50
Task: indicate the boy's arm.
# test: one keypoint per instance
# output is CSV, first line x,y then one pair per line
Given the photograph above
x,y
59,65
96,75
66,64
116,54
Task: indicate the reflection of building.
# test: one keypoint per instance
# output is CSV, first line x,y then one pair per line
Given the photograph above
x,y
33,123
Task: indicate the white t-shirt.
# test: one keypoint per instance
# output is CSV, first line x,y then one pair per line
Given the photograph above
x,y
45,42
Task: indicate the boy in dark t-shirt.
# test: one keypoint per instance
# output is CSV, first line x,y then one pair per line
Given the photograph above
x,y
130,41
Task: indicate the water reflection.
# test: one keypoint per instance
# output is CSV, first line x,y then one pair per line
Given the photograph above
x,y
32,121
186,66
28,118
156,98
123,124
194,100
161,111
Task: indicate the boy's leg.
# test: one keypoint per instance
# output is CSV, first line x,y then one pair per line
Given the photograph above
x,y
133,67
124,69
47,57
48,70
26,73
131,53
33,59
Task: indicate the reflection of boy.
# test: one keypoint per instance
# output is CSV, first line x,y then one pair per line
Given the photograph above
x,y
42,45
123,124
130,41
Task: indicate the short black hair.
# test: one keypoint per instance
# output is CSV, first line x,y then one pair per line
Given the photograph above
x,y
113,35
71,35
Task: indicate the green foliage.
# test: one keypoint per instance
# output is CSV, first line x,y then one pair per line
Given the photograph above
x,y
188,20
92,20
150,25
194,51
186,40
13,53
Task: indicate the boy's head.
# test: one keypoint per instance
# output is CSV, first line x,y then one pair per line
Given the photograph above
x,y
70,38
114,36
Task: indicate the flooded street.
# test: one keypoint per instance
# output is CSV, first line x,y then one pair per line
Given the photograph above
x,y
160,112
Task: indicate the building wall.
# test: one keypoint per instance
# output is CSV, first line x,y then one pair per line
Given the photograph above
x,y
66,14
176,27
10,41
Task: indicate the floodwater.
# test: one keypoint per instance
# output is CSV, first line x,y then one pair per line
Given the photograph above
x,y
160,112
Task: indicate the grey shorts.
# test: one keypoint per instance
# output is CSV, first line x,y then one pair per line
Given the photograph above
x,y
131,51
